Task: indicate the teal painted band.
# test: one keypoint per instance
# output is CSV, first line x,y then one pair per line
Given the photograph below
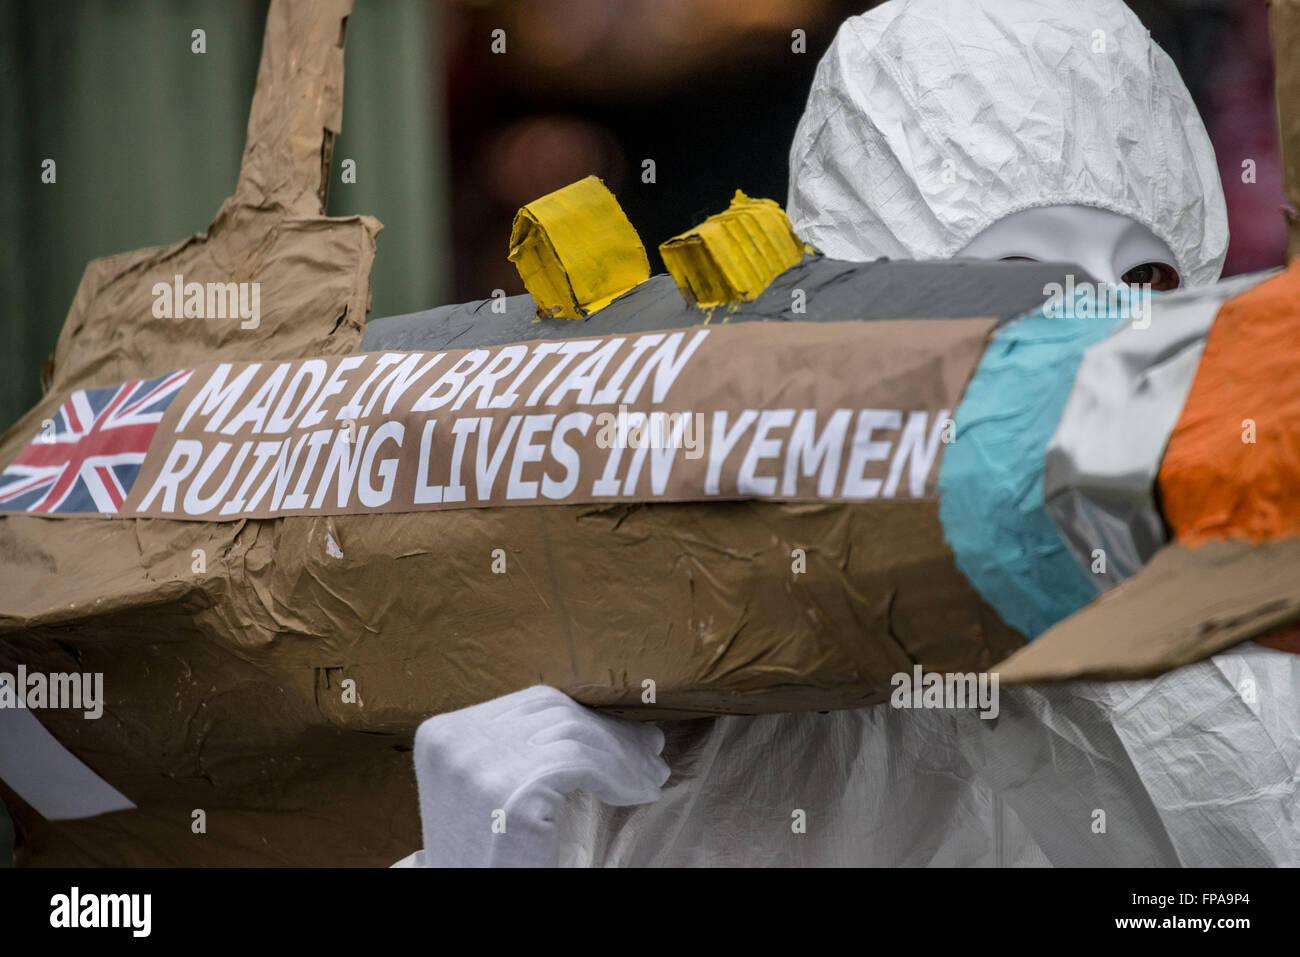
x,y
991,480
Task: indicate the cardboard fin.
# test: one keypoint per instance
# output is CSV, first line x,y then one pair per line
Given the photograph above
x,y
734,255
1187,604
297,108
576,250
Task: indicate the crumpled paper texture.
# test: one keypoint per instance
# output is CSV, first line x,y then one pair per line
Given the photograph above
x,y
928,122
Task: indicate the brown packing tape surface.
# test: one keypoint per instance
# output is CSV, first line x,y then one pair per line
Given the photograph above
x,y
223,692
1284,27
260,582
225,681
200,726
1183,606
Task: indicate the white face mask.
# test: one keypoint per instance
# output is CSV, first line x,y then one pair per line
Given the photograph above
x,y
1106,244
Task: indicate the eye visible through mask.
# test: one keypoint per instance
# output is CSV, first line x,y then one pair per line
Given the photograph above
x,y
1160,276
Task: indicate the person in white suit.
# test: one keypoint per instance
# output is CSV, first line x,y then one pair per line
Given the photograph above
x,y
997,129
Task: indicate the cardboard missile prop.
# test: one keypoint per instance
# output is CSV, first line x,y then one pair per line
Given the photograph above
x,y
763,511
284,546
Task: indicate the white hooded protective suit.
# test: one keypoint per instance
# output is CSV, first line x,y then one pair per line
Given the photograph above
x,y
928,121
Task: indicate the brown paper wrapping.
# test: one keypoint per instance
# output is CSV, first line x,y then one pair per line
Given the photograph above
x,y
224,687
103,580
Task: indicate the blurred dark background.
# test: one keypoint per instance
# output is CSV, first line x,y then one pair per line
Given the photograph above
x,y
449,139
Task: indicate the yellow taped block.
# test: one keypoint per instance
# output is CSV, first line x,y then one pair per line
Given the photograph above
x,y
576,250
734,255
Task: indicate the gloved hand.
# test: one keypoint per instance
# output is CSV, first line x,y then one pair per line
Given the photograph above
x,y
492,777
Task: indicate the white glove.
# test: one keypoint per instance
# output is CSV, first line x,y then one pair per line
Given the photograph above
x,y
493,776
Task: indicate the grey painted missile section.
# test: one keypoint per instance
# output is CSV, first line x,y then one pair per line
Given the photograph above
x,y
830,290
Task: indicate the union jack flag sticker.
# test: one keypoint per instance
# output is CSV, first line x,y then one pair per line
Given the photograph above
x,y
87,457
